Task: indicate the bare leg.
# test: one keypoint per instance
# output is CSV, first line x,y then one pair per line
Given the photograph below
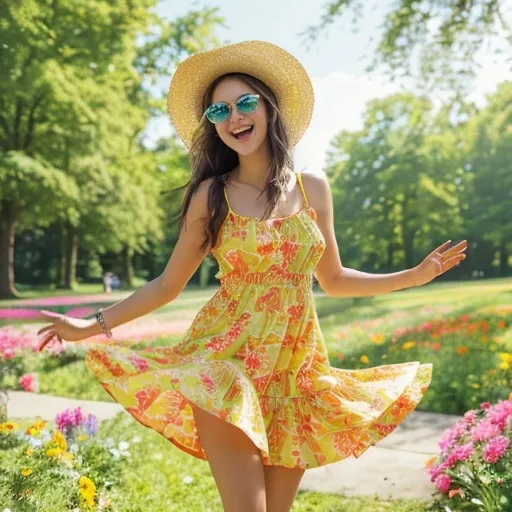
x,y
235,462
281,486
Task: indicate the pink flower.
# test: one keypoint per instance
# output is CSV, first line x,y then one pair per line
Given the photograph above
x,y
470,417
29,382
443,483
69,419
9,353
459,454
495,449
485,405
485,430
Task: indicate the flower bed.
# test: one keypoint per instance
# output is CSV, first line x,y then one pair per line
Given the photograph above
x,y
64,468
471,355
474,468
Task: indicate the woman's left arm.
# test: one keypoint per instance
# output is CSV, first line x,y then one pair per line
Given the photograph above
x,y
339,281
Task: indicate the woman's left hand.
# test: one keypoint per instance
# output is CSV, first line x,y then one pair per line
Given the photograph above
x,y
439,261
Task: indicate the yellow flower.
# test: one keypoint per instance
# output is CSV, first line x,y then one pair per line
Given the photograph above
x,y
8,426
408,345
364,359
59,439
378,339
475,385
26,472
504,366
54,452
29,451
505,357
83,437
87,489
40,424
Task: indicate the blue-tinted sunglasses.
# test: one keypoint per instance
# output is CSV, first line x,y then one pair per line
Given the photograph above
x,y
219,112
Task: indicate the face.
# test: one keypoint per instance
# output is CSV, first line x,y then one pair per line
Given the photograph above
x,y
253,138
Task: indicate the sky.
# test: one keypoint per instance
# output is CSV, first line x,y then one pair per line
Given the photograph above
x,y
336,63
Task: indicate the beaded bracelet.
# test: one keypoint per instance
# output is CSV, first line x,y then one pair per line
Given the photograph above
x,y
99,317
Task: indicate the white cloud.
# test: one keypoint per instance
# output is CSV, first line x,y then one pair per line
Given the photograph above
x,y
340,100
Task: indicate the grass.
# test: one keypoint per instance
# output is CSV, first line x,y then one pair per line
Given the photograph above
x,y
154,479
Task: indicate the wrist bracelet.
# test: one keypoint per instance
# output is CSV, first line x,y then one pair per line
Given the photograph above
x,y
99,317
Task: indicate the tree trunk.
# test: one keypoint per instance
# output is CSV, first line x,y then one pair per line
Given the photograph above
x,y
128,267
71,245
62,256
503,258
8,222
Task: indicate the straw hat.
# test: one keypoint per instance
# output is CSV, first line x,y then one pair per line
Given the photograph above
x,y
274,66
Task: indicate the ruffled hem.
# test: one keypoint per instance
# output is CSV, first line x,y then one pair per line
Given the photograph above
x,y
359,408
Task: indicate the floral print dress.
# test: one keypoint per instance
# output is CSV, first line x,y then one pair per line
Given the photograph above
x,y
255,357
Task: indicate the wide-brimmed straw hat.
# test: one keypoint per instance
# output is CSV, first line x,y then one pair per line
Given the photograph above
x,y
275,67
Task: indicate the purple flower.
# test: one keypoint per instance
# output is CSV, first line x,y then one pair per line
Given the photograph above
x,y
69,419
91,425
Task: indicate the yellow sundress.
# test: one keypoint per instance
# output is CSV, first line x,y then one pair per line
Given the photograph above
x,y
254,356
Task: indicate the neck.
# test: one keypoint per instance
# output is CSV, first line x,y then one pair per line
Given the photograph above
x,y
254,168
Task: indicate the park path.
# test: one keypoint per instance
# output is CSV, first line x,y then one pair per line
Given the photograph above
x,y
395,467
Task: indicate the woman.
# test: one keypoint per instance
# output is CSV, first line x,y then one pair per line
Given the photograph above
x,y
250,388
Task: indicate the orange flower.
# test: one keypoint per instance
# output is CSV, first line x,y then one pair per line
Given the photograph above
x,y
430,461
501,324
453,492
462,350
408,345
340,357
378,339
436,346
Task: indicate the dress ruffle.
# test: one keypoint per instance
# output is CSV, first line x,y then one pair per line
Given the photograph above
x,y
356,409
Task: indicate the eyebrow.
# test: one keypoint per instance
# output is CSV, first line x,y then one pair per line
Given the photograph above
x,y
241,95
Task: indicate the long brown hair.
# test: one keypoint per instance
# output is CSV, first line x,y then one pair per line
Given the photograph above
x,y
211,158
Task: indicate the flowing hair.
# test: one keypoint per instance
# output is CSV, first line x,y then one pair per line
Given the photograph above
x,y
211,158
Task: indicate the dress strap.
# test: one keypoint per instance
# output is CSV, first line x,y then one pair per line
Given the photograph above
x,y
227,199
299,179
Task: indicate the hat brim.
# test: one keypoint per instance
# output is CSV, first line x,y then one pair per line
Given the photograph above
x,y
275,67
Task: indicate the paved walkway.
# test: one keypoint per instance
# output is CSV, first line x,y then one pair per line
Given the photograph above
x,y
395,467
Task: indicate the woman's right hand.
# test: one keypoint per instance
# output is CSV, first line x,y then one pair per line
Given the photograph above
x,y
64,327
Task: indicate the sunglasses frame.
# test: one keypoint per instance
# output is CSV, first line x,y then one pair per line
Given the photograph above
x,y
231,105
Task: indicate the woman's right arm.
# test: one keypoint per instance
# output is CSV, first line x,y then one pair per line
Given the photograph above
x,y
183,262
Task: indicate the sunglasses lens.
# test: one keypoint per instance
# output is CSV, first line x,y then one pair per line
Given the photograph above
x,y
217,113
248,103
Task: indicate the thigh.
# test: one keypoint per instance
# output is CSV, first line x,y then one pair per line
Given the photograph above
x,y
281,486
235,462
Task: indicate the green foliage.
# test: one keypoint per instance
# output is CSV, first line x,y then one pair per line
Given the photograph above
x,y
447,35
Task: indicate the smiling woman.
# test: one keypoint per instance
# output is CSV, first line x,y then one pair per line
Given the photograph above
x,y
250,387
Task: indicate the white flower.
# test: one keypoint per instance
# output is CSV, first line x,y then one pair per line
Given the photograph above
x,y
136,439
45,436
115,453
35,443
109,442
123,446
187,479
73,448
476,501
111,67
157,456
6,510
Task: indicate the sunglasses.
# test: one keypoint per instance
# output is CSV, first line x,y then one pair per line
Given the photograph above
x,y
219,112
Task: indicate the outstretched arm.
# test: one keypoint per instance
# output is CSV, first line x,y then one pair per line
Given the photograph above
x,y
339,281
184,261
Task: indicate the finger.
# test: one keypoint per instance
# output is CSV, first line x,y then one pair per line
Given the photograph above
x,y
452,262
45,341
439,250
456,249
45,328
49,314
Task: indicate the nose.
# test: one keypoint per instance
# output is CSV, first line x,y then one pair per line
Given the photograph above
x,y
234,116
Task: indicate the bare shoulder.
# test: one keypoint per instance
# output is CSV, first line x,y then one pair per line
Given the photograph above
x,y
198,207
317,190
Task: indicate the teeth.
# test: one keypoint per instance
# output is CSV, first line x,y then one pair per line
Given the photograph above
x,y
236,131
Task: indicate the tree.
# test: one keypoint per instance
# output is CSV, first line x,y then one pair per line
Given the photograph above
x,y
395,184
447,35
489,163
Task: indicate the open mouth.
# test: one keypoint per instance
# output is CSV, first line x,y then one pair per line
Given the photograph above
x,y
242,133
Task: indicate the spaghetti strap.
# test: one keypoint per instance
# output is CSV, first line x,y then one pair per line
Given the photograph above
x,y
299,179
227,199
